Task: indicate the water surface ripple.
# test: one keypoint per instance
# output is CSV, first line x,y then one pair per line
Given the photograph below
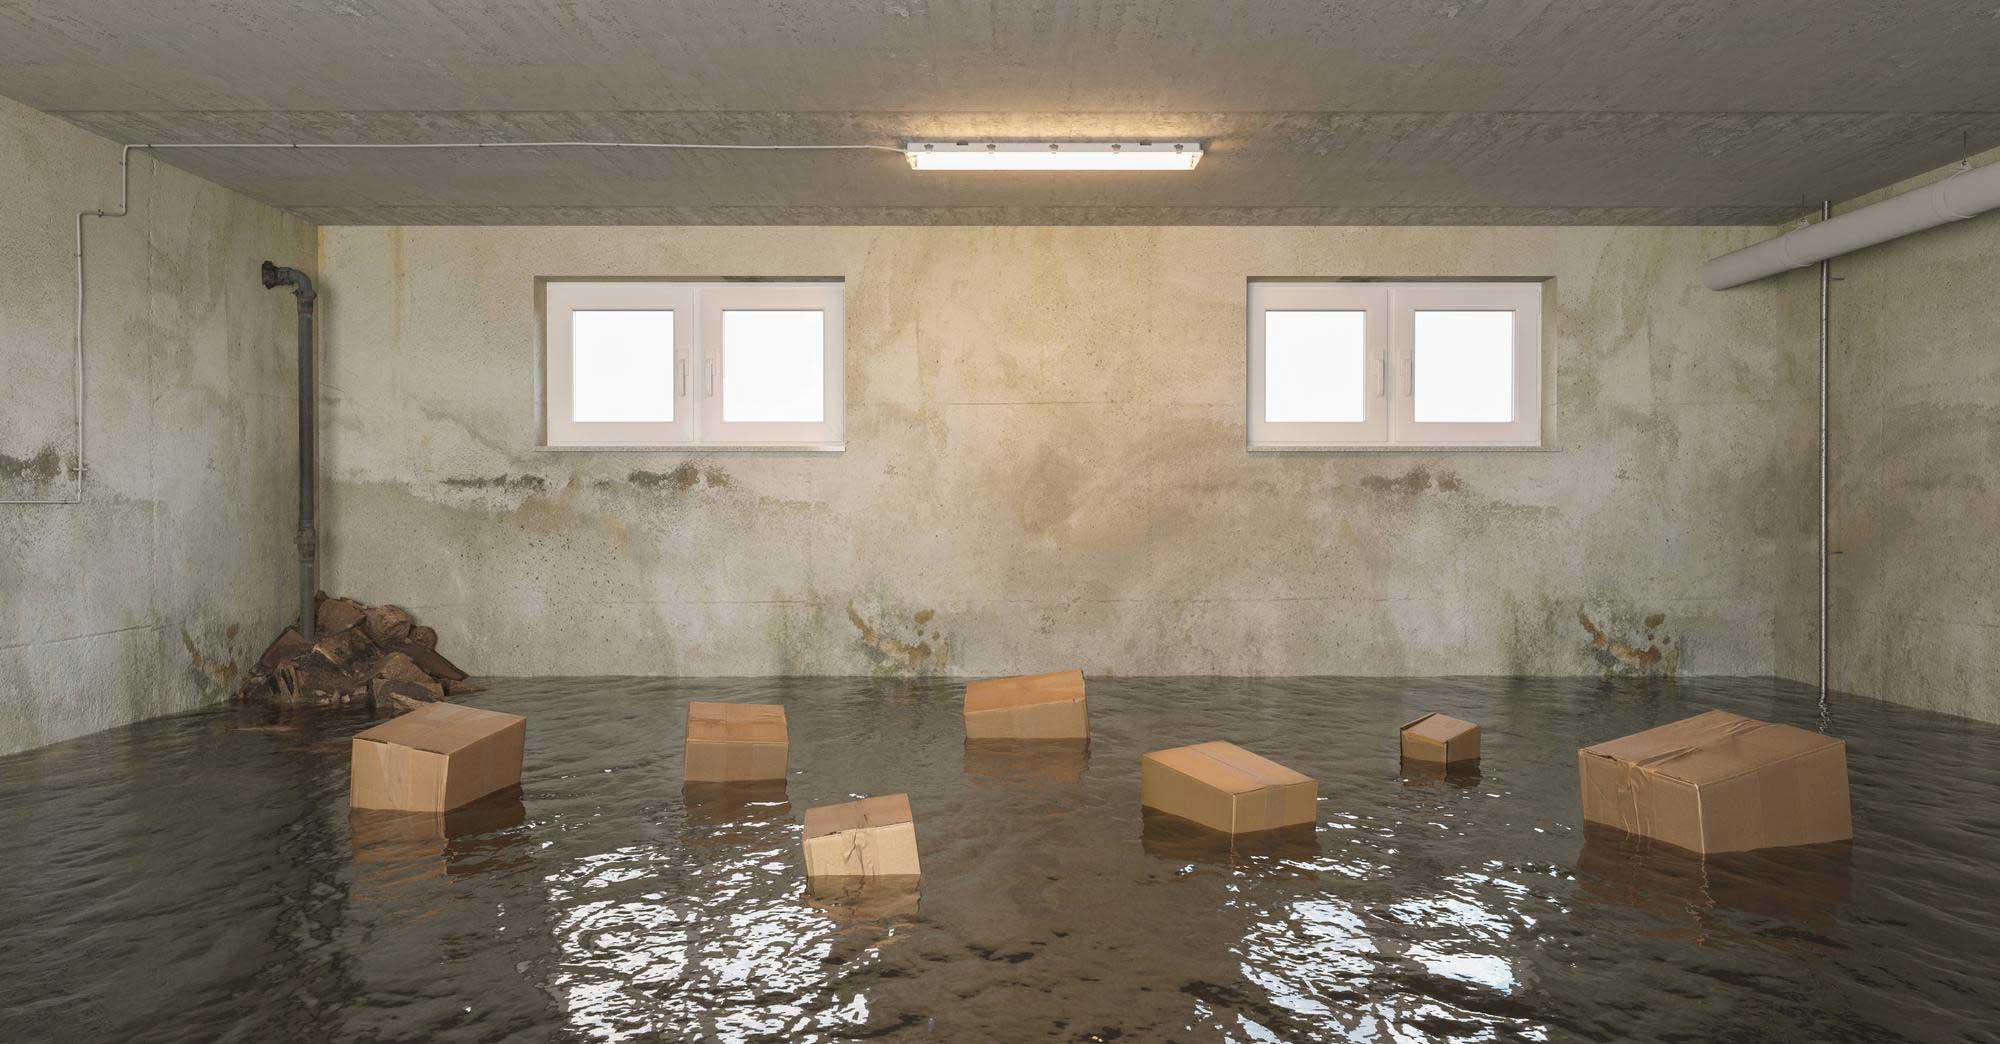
x,y
200,877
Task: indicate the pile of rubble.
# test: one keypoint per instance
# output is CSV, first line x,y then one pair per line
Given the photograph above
x,y
363,655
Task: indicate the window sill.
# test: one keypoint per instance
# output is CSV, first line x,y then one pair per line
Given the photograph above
x,y
696,448
1315,447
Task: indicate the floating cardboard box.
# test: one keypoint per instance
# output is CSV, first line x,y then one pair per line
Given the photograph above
x,y
873,837
1034,707
1720,782
1440,739
734,742
436,758
1224,787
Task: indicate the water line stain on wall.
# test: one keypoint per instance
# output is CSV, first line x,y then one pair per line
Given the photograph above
x,y
1415,481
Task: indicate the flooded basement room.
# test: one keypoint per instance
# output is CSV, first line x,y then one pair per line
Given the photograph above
x,y
1058,520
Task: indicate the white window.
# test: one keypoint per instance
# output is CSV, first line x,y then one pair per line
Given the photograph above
x,y
717,365
1380,365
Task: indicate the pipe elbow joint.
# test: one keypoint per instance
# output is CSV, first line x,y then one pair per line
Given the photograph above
x,y
301,284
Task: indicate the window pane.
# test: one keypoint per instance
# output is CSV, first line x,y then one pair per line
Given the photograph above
x,y
774,366
1313,366
1464,363
622,366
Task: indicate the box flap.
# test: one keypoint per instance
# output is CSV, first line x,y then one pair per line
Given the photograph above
x,y
1439,728
441,728
1711,747
1025,691
736,722
1228,767
886,810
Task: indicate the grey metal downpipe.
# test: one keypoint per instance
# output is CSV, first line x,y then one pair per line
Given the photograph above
x,y
308,535
1825,458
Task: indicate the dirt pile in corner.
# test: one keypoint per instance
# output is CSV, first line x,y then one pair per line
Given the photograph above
x,y
365,656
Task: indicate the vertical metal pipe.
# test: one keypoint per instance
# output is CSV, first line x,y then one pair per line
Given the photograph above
x,y
1825,293
308,534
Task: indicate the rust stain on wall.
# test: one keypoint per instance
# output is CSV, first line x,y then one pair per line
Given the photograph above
x,y
1618,656
221,672
923,654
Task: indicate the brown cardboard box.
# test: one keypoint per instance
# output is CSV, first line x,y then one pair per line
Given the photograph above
x,y
1441,739
873,837
734,742
1224,787
1720,782
1035,707
436,758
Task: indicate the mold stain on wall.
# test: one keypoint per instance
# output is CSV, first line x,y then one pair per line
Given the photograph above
x,y
1652,654
925,652
1417,480
32,477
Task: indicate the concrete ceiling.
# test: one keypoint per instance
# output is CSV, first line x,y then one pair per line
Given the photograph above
x,y
1315,111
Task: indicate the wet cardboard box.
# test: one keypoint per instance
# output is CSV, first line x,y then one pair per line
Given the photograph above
x,y
873,837
735,743
1439,739
1720,782
1224,787
1033,707
436,758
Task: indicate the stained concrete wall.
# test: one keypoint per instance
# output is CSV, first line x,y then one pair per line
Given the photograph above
x,y
144,598
1046,466
1916,466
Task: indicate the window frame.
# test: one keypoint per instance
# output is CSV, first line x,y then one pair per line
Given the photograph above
x,y
697,365
1391,321
1373,428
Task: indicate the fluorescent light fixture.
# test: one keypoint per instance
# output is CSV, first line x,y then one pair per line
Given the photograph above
x,y
1053,155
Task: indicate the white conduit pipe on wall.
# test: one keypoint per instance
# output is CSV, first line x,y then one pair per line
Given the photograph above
x,y
1963,195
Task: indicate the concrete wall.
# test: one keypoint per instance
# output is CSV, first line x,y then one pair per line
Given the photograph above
x,y
1046,466
147,596
1916,466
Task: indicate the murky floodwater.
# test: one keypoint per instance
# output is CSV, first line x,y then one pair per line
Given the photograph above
x,y
192,878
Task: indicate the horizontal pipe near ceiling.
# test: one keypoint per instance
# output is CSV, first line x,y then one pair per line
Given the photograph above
x,y
1963,195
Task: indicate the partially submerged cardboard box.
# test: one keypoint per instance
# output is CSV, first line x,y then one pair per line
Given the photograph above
x,y
851,902
734,742
1441,739
1034,707
873,837
1170,837
376,834
436,758
1224,787
1720,782
1803,884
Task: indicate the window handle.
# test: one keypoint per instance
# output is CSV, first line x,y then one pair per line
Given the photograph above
x,y
709,365
1384,390
1410,382
681,387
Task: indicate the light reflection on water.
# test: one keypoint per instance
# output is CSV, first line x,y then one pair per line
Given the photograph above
x,y
191,878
